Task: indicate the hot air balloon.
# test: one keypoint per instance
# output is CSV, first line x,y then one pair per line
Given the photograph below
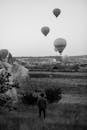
x,y
45,30
60,44
56,12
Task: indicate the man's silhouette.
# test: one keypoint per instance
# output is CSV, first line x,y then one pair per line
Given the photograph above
x,y
42,104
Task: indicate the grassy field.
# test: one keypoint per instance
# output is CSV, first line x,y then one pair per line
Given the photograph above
x,y
72,75
68,85
59,116
70,113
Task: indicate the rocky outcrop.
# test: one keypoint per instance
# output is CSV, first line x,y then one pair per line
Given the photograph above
x,y
21,75
6,56
17,71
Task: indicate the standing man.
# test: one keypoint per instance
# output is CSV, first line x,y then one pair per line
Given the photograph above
x,y
42,105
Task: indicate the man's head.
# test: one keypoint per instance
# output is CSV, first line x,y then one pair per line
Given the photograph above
x,y
42,94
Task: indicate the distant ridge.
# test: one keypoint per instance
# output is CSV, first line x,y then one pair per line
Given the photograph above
x,y
78,56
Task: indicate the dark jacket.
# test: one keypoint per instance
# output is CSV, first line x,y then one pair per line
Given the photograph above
x,y
42,103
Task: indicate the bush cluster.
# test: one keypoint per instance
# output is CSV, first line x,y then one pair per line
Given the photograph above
x,y
53,94
4,86
29,99
3,100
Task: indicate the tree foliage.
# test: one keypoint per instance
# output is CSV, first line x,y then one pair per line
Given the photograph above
x,y
4,81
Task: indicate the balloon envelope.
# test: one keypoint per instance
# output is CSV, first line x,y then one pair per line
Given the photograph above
x,y
45,30
56,12
60,44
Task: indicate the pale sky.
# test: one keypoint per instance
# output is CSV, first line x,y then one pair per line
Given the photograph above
x,y
21,22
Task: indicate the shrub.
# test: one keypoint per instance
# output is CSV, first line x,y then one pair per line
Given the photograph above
x,y
4,86
29,99
53,95
3,99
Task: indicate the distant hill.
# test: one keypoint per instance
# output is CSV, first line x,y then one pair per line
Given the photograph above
x,y
81,56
